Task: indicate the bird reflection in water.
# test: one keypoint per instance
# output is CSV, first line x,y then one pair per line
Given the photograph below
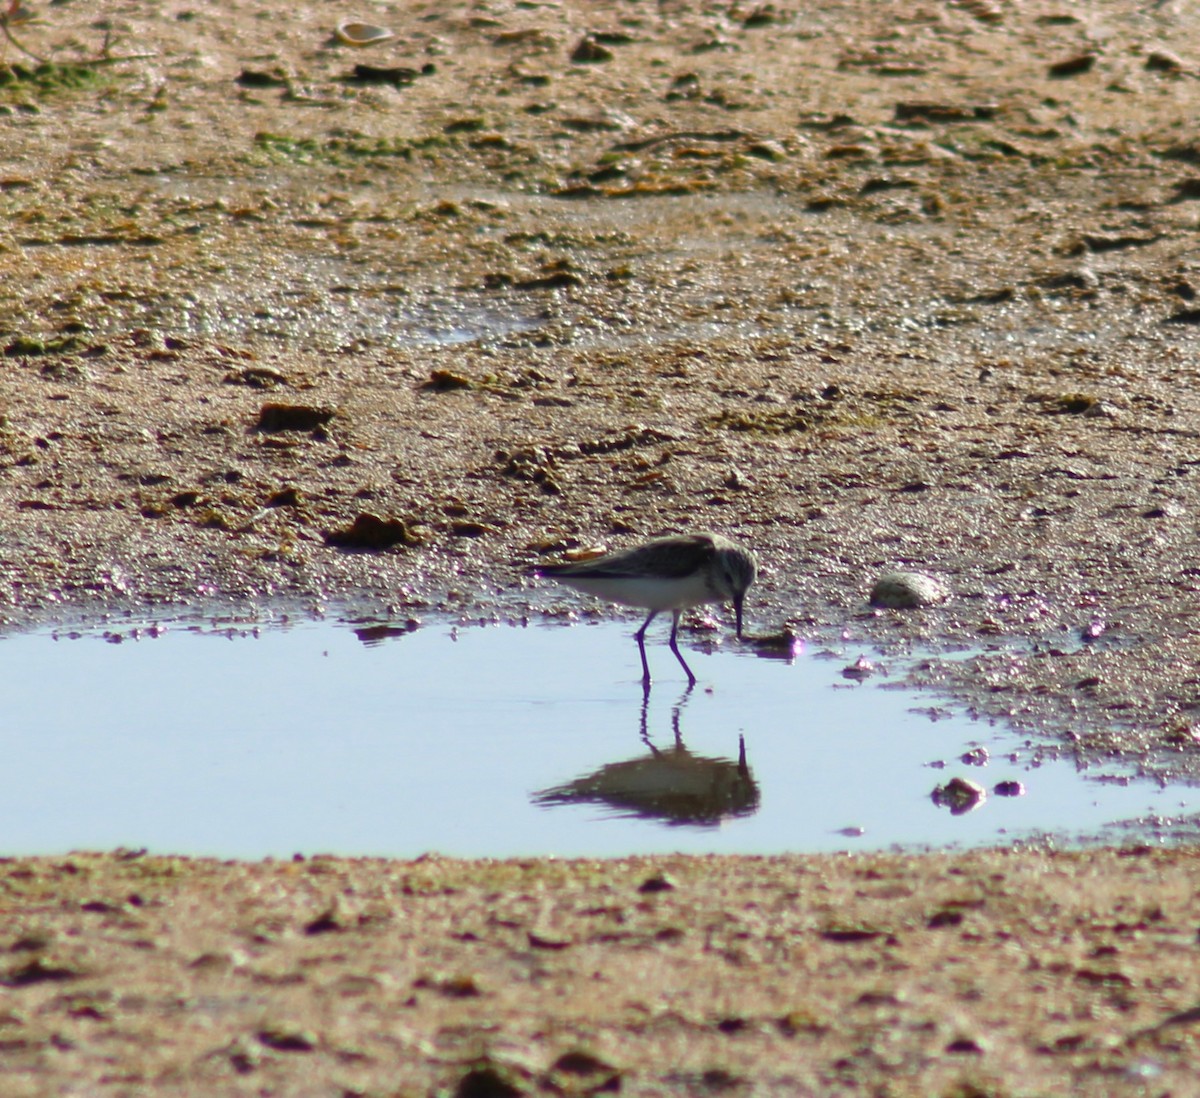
x,y
672,785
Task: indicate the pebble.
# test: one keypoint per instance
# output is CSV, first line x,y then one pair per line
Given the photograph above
x,y
907,591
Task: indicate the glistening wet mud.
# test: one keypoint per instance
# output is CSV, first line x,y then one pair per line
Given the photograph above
x,y
376,738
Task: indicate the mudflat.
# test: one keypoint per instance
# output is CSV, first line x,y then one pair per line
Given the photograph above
x,y
290,322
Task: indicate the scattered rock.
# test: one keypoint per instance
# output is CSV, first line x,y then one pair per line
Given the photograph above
x,y
40,970
369,531
588,51
285,497
1163,61
784,645
660,882
332,920
398,76
965,1046
459,986
488,1080
374,635
292,417
921,111
959,795
1072,66
772,151
1064,404
29,346
1186,190
860,670
263,78
288,1039
851,933
467,529
548,940
986,11
257,377
446,381
907,591
579,1071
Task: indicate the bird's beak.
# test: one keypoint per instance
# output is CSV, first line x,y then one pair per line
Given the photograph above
x,y
737,610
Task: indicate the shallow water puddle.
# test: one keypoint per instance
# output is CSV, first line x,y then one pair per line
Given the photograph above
x,y
495,741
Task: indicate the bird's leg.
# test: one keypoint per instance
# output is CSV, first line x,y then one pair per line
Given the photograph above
x,y
640,637
675,648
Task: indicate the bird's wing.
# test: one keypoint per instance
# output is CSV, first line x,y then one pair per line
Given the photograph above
x,y
666,557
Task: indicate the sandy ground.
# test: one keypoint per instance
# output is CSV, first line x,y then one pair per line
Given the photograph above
x,y
866,285
981,974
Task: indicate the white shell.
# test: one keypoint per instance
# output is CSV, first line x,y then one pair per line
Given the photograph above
x,y
361,34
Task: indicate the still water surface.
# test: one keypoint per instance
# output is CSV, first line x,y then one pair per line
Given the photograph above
x,y
495,741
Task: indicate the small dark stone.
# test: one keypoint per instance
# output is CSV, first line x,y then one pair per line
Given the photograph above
x,y
258,78
555,281
285,497
1072,66
660,882
293,417
328,922
548,941
465,529
764,16
39,970
396,75
718,1081
452,987
964,1045
1163,61
257,377
959,795
589,52
446,381
850,933
578,1062
612,38
943,112
885,183
1187,189
463,125
288,1040
369,531
487,1081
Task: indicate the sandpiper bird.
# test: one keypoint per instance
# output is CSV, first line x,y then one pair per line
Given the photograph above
x,y
670,573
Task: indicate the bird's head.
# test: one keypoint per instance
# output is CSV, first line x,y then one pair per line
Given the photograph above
x,y
734,573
